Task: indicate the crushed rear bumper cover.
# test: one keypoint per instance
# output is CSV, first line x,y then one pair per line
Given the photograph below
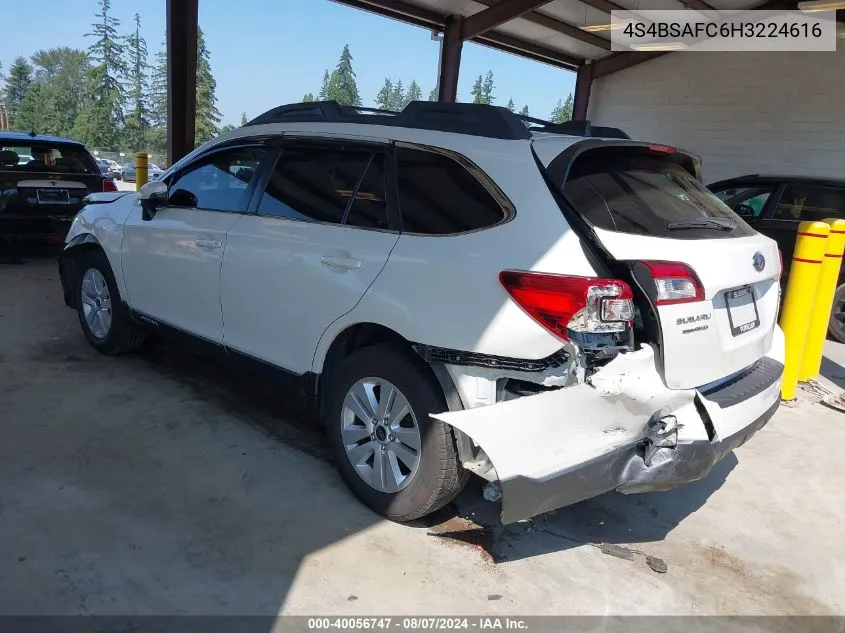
x,y
625,431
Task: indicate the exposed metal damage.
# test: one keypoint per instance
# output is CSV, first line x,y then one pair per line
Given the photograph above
x,y
562,444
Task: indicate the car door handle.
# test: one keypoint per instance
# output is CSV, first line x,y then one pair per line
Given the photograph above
x,y
208,245
341,262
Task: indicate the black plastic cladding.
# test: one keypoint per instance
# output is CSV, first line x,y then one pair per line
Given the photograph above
x,y
433,354
461,118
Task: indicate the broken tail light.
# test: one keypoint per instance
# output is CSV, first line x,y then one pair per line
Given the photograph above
x,y
674,282
108,185
575,308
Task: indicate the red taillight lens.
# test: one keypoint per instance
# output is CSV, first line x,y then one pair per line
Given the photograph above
x,y
561,303
675,283
108,185
663,149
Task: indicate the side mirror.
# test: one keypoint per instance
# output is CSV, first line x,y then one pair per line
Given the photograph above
x,y
153,195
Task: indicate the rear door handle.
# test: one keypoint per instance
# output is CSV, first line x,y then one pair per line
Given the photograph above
x,y
208,245
347,263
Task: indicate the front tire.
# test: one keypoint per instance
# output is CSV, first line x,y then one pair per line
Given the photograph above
x,y
103,316
395,458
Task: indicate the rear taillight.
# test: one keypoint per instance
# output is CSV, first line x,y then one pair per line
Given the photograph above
x,y
674,283
108,185
568,306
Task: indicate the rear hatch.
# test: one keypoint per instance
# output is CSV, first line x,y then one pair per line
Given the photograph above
x,y
707,282
41,181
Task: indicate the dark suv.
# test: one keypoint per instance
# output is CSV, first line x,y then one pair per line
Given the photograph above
x,y
43,181
775,205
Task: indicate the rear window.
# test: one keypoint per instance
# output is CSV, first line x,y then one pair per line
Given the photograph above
x,y
46,157
646,193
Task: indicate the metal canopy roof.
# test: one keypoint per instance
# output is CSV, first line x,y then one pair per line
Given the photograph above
x,y
550,31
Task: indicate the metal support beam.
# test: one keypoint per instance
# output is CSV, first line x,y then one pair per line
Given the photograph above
x,y
181,77
450,60
621,61
583,83
499,13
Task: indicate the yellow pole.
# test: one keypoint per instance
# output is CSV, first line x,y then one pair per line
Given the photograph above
x,y
823,304
810,247
141,170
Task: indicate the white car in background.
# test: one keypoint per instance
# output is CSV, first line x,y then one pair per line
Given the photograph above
x,y
458,290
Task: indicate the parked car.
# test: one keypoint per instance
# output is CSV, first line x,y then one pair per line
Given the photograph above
x,y
40,197
129,174
455,292
776,205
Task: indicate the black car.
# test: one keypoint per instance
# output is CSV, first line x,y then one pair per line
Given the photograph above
x,y
43,181
775,205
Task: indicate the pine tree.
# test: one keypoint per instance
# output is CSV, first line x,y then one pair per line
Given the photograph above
x,y
60,72
324,88
397,99
208,116
307,98
18,80
244,120
414,93
138,118
32,111
432,96
562,111
98,125
511,105
342,85
384,98
524,111
487,88
478,90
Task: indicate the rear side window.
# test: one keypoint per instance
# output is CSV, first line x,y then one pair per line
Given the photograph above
x,y
439,196
335,184
646,193
803,203
47,157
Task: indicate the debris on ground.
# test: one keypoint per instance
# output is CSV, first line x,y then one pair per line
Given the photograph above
x,y
494,596
616,550
657,564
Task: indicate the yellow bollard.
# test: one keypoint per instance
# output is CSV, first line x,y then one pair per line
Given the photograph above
x,y
142,172
810,247
811,364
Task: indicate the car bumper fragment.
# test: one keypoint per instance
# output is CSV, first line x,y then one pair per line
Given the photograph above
x,y
625,431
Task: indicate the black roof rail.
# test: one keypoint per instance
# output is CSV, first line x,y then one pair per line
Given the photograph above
x,y
461,118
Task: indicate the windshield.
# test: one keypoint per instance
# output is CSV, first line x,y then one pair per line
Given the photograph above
x,y
46,157
636,190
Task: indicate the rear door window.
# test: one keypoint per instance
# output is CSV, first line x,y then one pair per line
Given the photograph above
x,y
638,191
802,203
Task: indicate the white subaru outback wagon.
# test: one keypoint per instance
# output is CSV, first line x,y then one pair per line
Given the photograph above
x,y
561,310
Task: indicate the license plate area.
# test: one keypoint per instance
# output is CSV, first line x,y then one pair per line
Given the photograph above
x,y
742,310
52,196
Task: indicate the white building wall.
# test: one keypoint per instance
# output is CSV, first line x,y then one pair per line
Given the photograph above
x,y
742,112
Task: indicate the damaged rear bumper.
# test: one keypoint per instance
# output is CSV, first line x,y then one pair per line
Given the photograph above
x,y
626,431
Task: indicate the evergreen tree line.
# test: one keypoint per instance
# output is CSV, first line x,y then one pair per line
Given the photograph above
x,y
340,85
109,96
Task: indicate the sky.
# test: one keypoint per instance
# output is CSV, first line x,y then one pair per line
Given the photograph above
x,y
266,53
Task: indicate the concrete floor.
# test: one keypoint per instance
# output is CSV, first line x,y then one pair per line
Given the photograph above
x,y
153,484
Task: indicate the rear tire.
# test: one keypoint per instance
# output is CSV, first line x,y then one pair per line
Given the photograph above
x,y
104,318
390,475
836,328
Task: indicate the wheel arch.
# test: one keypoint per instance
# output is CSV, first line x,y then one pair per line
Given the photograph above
x,y
359,335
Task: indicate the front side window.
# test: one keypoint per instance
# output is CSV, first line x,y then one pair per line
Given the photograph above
x,y
218,182
801,202
439,196
746,201
330,183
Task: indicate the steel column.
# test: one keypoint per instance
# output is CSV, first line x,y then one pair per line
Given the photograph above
x,y
450,60
583,83
181,77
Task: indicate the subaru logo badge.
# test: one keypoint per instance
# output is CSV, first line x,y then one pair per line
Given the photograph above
x,y
759,261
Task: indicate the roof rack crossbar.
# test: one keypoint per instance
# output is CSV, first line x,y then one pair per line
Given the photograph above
x,y
462,118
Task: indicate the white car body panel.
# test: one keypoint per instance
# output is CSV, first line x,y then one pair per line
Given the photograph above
x,y
285,281
716,352
171,267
